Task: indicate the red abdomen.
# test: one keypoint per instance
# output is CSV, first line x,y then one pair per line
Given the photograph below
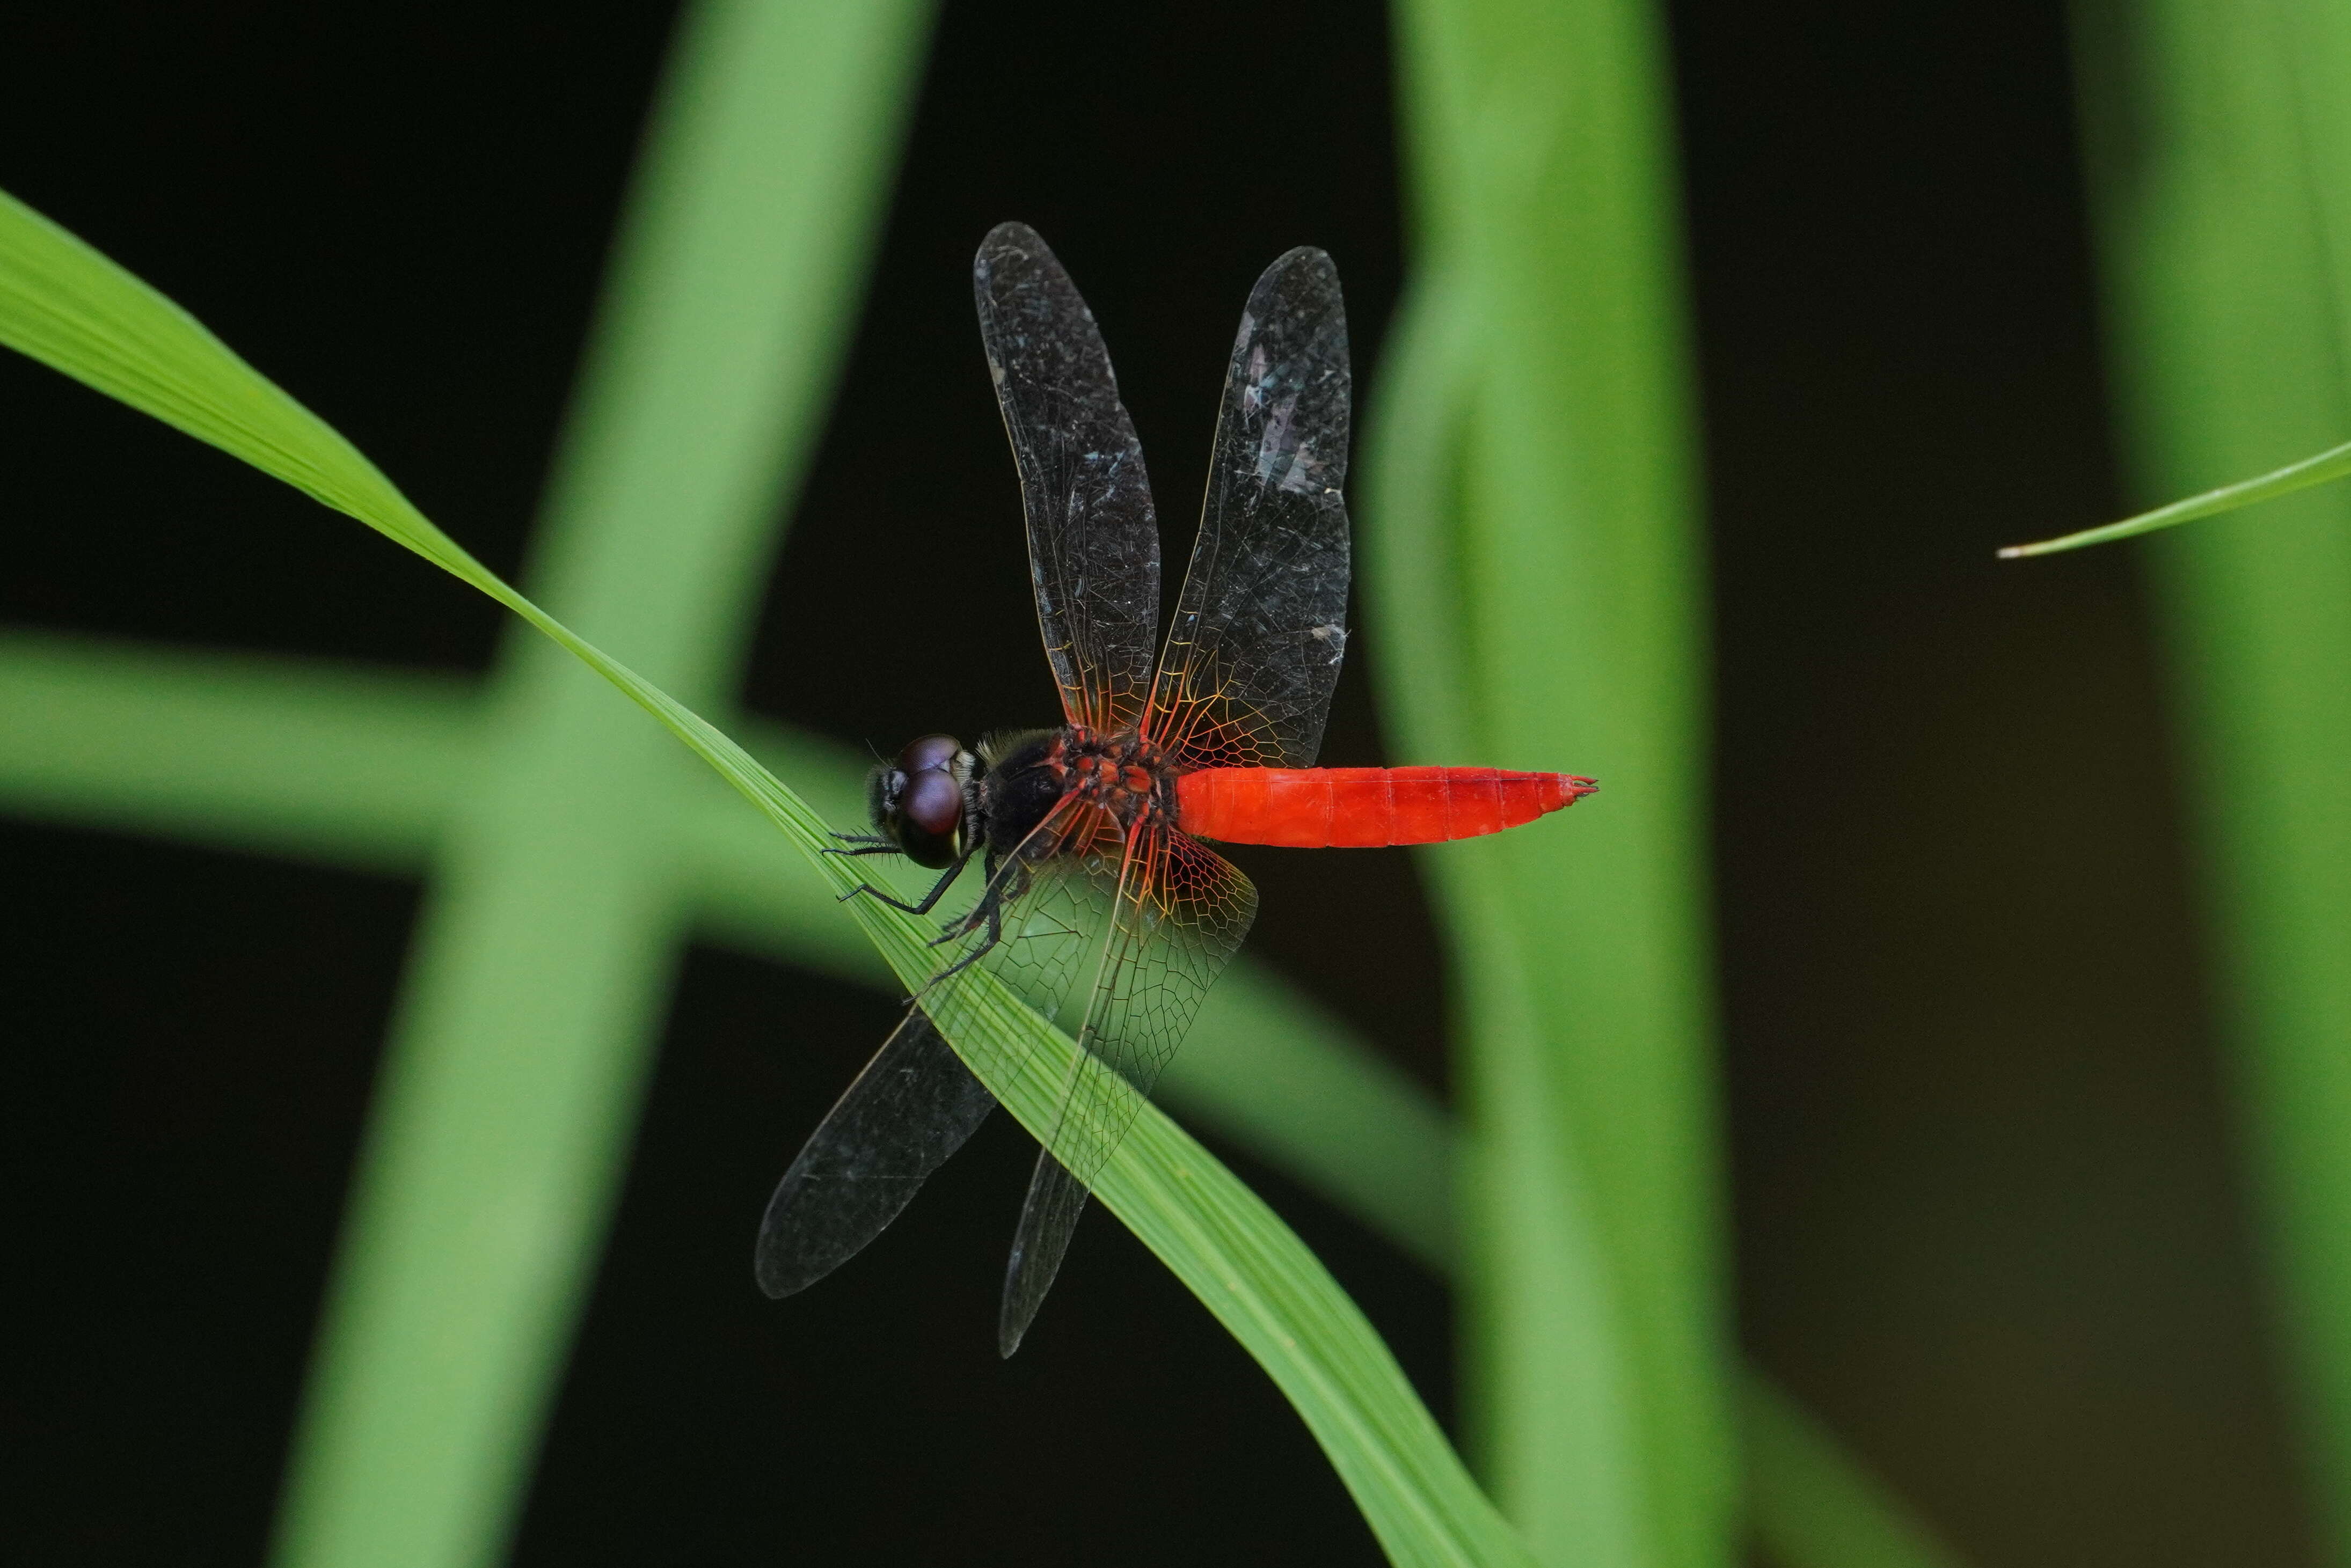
x,y
1363,808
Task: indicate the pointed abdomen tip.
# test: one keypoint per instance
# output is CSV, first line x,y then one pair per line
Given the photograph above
x,y
1571,787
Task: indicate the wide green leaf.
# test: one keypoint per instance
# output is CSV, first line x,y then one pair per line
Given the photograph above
x,y
522,1041
2220,150
1535,581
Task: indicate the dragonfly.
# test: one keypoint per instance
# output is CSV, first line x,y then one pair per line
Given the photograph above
x,y
1100,902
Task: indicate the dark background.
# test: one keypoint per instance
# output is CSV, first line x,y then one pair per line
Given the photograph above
x,y
1988,1222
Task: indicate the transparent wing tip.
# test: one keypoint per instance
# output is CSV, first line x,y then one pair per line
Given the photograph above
x,y
1025,1279
777,1278
1013,241
1047,1220
1313,256
791,1255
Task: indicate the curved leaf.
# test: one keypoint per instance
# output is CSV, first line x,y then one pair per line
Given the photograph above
x,y
63,303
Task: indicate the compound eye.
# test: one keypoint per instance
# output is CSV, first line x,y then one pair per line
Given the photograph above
x,y
930,753
925,815
932,803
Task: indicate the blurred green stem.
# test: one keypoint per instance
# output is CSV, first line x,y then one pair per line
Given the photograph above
x,y
2221,143
1537,578
1813,1507
512,1075
1532,1280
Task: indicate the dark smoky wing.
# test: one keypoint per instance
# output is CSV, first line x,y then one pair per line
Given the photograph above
x,y
1093,539
1254,651
1178,912
911,1107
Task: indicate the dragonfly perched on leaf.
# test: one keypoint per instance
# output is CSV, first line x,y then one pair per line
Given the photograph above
x,y
1099,904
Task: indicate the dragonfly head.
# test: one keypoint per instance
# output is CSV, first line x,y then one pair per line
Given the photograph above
x,y
917,801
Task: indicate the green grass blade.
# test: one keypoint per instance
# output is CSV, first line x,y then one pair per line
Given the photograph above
x,y
1536,579
2218,190
1228,1249
2326,467
359,768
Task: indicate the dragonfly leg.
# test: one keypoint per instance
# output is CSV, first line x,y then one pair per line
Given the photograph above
x,y
963,928
930,899
863,844
988,911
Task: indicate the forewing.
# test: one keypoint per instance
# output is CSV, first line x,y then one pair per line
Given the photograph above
x,y
1246,677
916,1103
1094,540
1054,919
911,1107
1178,911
